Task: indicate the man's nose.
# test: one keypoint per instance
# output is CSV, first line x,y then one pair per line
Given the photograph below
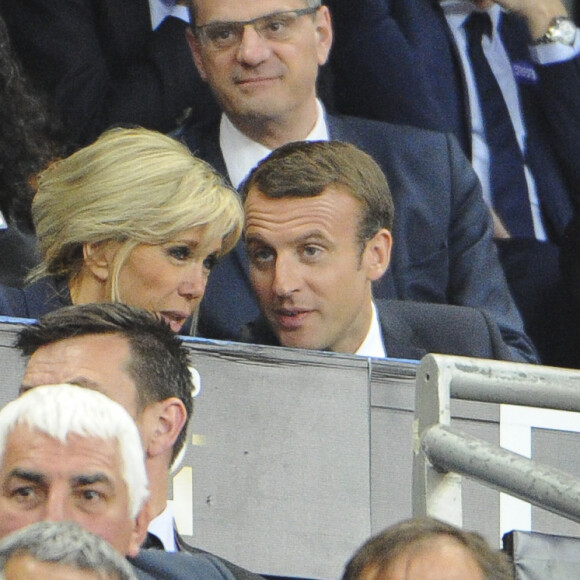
x,y
286,276
57,507
253,49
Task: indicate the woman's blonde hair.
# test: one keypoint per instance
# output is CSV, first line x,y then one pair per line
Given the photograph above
x,y
131,186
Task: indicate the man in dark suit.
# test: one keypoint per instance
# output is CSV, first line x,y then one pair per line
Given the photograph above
x,y
263,74
319,217
410,61
139,362
73,454
106,62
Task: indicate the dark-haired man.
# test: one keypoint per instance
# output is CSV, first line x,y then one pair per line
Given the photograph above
x,y
136,360
261,60
319,217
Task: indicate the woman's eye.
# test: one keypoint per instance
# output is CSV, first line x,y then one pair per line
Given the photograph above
x,y
179,252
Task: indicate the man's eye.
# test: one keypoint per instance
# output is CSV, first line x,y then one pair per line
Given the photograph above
x,y
311,251
261,255
210,262
90,494
24,494
220,33
179,252
276,25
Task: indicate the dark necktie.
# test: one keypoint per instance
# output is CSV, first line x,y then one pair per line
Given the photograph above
x,y
509,189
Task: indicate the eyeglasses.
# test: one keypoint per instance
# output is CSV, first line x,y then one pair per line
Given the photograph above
x,y
278,26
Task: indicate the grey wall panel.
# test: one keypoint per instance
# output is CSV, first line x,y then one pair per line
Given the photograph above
x,y
297,457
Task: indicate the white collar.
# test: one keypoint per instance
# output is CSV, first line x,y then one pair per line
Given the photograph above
x,y
160,9
457,11
163,526
373,344
3,223
241,154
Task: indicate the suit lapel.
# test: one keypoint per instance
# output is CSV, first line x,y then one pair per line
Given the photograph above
x,y
398,337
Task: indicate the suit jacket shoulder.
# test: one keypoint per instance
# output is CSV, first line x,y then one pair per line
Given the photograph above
x,y
413,329
435,190
38,298
442,329
179,566
238,572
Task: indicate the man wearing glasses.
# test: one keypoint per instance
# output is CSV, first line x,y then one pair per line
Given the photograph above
x,y
261,60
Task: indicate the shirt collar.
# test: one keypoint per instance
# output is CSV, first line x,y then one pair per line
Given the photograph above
x,y
160,9
373,344
163,526
457,11
3,223
241,154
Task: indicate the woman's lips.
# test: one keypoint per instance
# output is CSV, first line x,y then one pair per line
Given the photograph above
x,y
175,319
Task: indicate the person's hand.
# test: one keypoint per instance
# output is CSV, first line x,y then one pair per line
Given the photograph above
x,y
499,230
537,13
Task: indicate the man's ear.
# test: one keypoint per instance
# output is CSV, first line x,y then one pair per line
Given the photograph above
x,y
377,254
140,524
169,417
195,48
98,258
324,34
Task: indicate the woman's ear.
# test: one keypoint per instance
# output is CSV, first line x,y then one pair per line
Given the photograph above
x,y
98,258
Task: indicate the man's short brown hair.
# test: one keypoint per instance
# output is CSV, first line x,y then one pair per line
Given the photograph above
x,y
307,168
380,551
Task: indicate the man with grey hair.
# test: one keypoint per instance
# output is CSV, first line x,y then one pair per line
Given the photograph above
x,y
73,454
60,550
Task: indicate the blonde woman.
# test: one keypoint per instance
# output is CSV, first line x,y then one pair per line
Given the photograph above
x,y
132,218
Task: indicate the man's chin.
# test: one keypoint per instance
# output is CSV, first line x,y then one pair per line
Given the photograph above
x,y
298,340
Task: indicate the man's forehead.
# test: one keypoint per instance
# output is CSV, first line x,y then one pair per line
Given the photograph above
x,y
29,445
22,566
316,214
85,352
99,362
236,10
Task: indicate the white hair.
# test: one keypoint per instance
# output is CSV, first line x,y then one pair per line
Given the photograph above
x,y
63,410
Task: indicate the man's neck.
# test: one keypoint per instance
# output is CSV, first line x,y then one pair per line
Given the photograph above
x,y
275,132
157,473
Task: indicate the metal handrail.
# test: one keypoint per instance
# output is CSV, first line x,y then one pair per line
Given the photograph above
x,y
443,454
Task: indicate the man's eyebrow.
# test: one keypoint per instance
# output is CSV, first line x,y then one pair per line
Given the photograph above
x,y
311,236
255,238
80,381
90,479
28,475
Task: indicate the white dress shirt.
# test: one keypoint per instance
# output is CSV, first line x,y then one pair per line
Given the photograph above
x,y
373,344
3,224
163,526
160,9
456,12
242,154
